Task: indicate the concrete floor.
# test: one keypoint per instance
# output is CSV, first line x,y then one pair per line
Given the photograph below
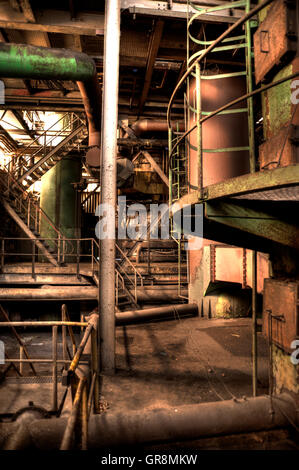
x,y
165,364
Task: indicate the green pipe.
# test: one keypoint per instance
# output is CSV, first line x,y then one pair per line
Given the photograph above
x,y
25,61
34,62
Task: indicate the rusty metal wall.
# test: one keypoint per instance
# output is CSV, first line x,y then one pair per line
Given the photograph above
x,y
281,308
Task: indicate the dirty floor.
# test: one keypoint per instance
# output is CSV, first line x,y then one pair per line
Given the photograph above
x,y
163,364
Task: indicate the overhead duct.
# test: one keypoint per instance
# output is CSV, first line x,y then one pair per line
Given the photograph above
x,y
34,62
150,125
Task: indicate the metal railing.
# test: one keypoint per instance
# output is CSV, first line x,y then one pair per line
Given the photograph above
x,y
22,162
122,279
27,205
84,385
85,250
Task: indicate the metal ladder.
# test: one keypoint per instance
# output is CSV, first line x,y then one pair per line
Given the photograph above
x,y
179,147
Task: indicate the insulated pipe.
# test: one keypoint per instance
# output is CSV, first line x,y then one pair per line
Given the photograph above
x,y
150,125
173,311
173,424
35,62
165,293
108,186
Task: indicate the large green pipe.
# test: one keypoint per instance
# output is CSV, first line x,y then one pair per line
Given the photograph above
x,y
34,62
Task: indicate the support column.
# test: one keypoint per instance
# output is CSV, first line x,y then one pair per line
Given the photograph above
x,y
108,185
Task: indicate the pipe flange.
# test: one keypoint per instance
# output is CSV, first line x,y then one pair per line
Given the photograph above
x,y
31,407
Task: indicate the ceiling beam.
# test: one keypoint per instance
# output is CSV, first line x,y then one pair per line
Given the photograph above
x,y
152,55
27,10
18,115
179,11
53,21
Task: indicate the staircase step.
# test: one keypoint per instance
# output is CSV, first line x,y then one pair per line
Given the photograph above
x,y
122,304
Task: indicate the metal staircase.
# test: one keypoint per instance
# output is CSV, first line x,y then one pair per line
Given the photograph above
x,y
25,211
125,284
26,169
36,160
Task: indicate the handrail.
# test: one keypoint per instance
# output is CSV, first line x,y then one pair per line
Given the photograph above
x,y
26,158
217,41
32,201
232,103
84,382
129,262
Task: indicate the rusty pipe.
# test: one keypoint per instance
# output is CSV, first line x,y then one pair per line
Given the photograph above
x,y
152,125
173,424
169,311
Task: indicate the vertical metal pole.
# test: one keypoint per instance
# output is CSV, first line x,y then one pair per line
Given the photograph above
x,y
58,248
63,250
21,362
254,332
94,369
198,116
108,185
64,339
249,90
2,254
252,170
170,166
33,258
28,213
84,418
92,256
78,259
54,369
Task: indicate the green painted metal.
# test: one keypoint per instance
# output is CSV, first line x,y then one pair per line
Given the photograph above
x,y
248,57
245,184
229,111
277,107
227,149
254,220
223,75
59,198
224,6
24,61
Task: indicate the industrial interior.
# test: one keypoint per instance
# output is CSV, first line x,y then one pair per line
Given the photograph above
x,y
149,234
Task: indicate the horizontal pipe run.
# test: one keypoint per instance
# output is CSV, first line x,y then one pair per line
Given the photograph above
x,y
43,323
164,294
151,125
44,361
173,311
174,424
26,61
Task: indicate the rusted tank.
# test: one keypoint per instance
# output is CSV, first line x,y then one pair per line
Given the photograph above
x,y
220,132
